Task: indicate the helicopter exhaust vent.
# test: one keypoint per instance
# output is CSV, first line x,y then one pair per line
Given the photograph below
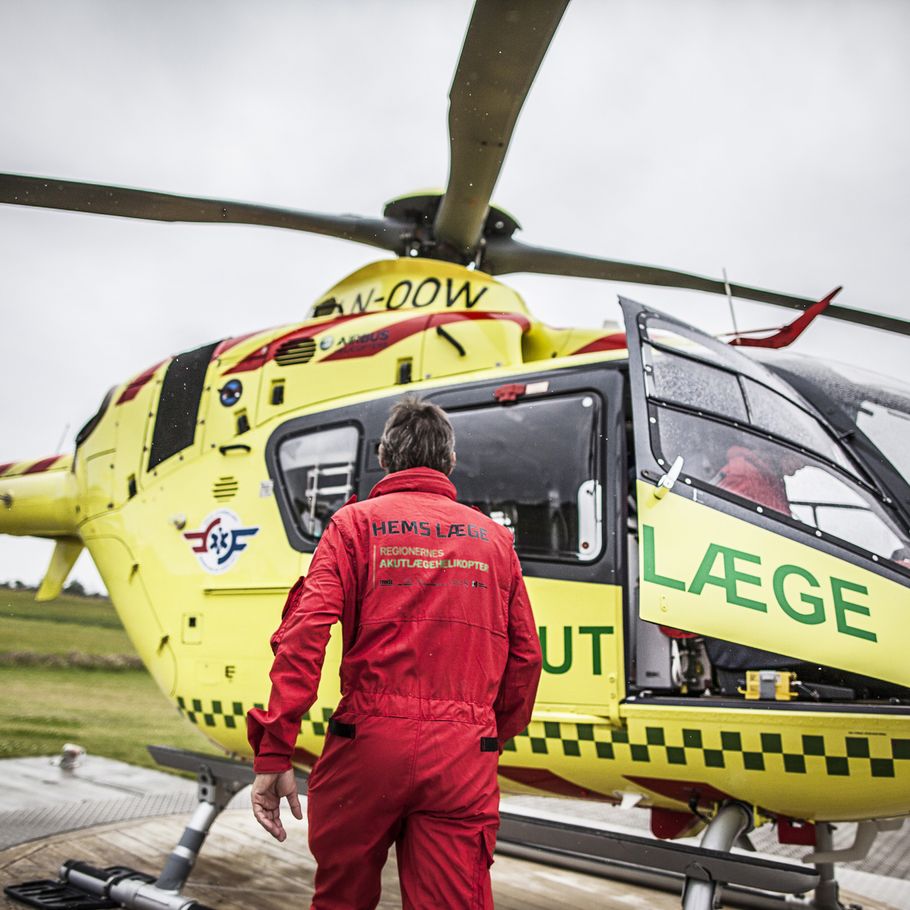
x,y
297,350
225,488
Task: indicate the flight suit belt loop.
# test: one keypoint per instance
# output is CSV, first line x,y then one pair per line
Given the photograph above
x,y
337,728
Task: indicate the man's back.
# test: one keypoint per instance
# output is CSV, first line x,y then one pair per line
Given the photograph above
x,y
433,582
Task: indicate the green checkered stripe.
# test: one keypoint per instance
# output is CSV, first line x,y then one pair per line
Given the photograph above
x,y
233,714
317,719
230,714
723,750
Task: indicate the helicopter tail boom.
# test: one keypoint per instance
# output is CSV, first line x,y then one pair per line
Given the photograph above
x,y
38,499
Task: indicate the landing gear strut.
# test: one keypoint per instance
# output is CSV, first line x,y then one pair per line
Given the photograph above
x,y
217,781
82,885
827,894
731,822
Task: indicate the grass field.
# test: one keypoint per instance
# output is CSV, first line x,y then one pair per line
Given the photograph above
x,y
84,624
115,713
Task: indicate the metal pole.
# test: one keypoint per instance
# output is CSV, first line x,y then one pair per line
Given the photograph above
x,y
182,858
827,896
730,822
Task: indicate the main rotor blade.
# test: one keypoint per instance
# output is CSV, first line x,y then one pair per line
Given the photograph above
x,y
16,189
503,48
503,256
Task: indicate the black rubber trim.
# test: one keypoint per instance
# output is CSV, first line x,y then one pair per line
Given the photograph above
x,y
95,419
337,728
192,839
489,744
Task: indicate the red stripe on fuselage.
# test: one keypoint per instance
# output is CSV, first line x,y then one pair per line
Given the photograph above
x,y
42,465
229,343
615,342
133,387
407,327
266,352
5,467
550,783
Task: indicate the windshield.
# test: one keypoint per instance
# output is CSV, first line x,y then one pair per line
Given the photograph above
x,y
878,405
739,462
882,413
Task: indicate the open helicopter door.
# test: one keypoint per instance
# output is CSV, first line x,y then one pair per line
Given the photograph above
x,y
756,526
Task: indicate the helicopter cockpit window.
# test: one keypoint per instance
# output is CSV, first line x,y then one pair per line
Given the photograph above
x,y
318,471
693,384
757,441
690,383
776,477
881,406
772,412
534,467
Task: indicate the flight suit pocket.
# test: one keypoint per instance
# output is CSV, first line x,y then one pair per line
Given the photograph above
x,y
489,844
483,891
331,761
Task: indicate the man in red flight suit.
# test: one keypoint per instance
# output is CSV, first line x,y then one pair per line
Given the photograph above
x,y
440,665
760,475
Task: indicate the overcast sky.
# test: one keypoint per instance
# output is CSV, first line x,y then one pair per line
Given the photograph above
x,y
768,137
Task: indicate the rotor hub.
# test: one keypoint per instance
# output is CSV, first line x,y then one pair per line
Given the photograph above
x,y
419,210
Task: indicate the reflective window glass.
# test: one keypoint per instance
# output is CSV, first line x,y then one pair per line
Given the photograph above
x,y
778,478
772,412
693,384
691,341
318,471
889,429
701,387
880,406
533,467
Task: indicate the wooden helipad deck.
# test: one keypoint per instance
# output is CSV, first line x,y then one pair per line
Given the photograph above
x,y
242,868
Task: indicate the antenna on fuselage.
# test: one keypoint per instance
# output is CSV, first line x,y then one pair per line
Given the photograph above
x,y
66,430
730,302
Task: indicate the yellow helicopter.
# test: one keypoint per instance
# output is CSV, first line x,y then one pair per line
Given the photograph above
x,y
715,544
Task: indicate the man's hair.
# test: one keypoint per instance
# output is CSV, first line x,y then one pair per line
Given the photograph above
x,y
417,435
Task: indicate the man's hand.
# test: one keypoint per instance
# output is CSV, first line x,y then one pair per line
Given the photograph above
x,y
268,789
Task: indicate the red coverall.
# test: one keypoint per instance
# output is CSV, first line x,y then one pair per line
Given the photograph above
x,y
440,664
756,477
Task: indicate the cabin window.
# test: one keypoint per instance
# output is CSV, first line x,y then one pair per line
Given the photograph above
x,y
178,404
534,467
318,471
778,478
698,386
